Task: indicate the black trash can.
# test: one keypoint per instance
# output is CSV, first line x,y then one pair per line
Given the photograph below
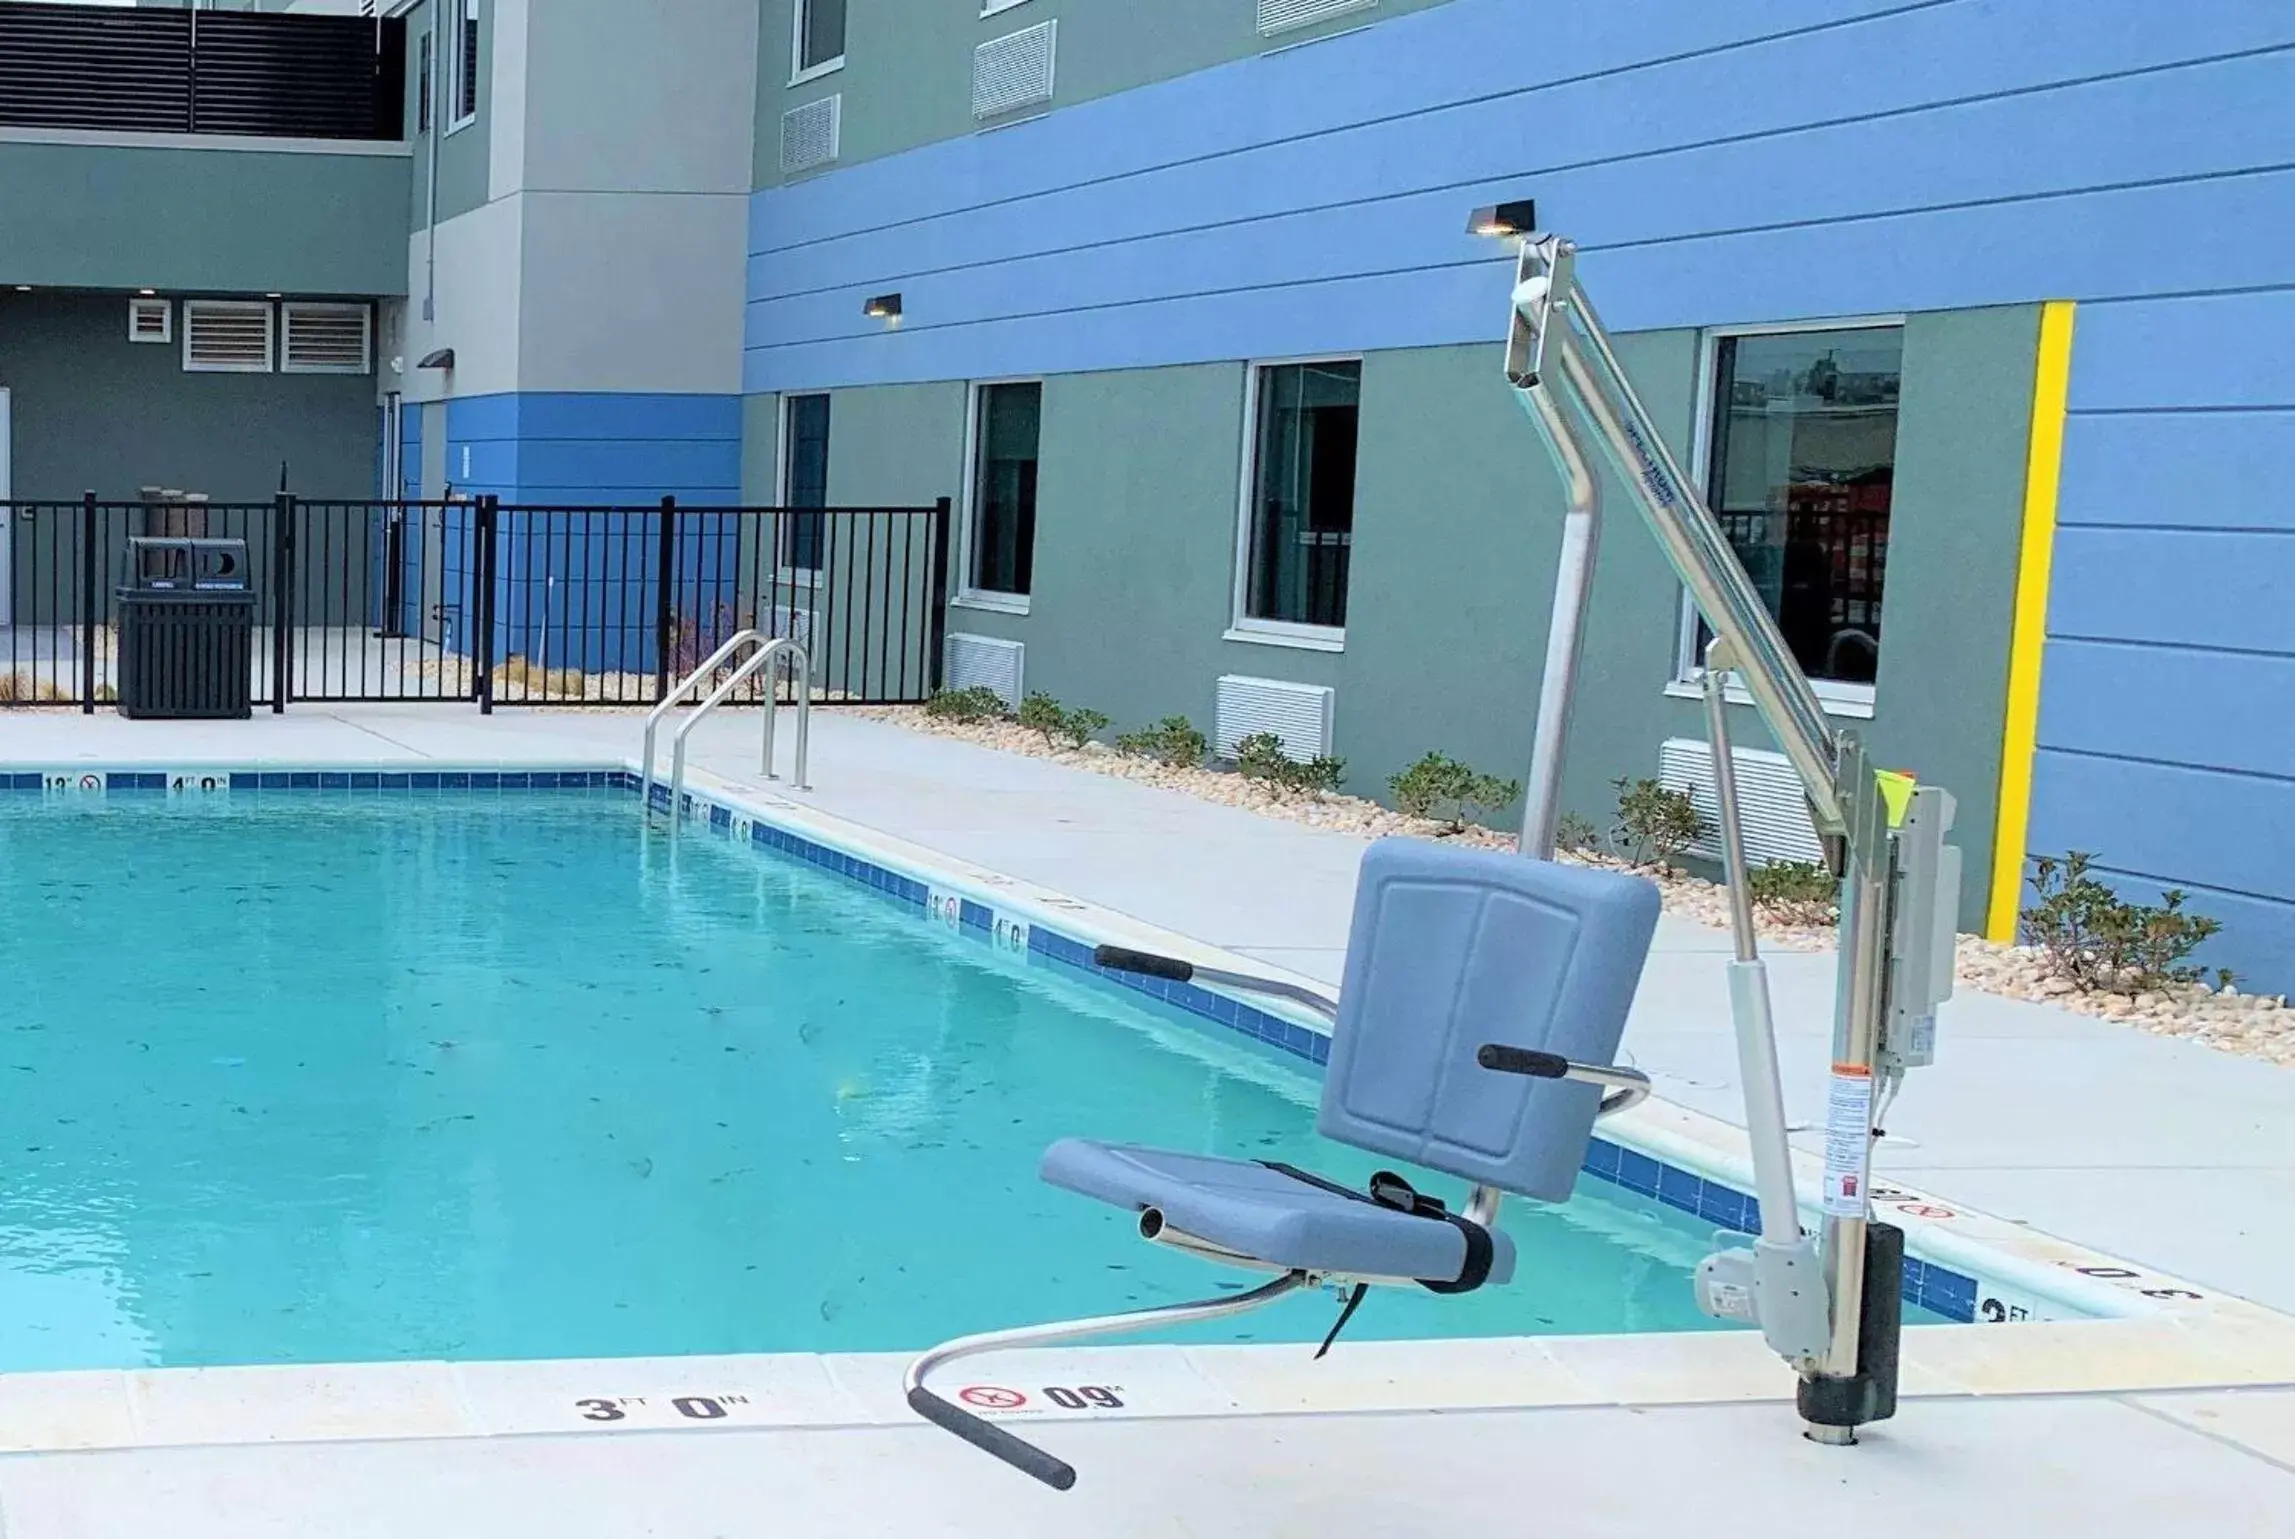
x,y
187,630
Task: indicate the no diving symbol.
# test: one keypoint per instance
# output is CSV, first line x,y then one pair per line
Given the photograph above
x,y
991,1397
1925,1210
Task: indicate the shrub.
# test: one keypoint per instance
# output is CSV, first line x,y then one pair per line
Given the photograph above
x,y
1572,832
2097,941
1059,724
978,703
1796,891
1173,741
1438,786
1655,824
1261,757
24,688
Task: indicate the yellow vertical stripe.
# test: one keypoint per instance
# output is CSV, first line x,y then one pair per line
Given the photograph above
x,y
2028,634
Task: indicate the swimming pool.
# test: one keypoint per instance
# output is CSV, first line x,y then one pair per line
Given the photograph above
x,y
347,1075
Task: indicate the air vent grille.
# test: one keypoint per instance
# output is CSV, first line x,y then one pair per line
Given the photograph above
x,y
1287,15
229,336
1770,800
150,320
1299,714
984,661
1014,71
327,339
809,133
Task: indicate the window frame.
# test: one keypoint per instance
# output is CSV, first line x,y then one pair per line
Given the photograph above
x,y
1837,697
1242,625
799,71
462,77
967,595
783,463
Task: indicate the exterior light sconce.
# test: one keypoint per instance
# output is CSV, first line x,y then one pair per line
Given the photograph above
x,y
1519,217
883,307
441,359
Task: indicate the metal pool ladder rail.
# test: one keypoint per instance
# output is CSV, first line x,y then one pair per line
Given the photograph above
x,y
769,648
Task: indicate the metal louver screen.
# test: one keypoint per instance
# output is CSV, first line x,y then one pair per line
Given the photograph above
x,y
970,661
809,133
1014,71
1283,15
1770,801
1299,714
148,320
145,69
226,336
325,339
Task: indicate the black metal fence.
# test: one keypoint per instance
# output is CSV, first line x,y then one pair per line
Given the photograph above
x,y
492,603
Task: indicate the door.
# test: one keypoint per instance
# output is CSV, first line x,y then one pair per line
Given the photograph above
x,y
7,533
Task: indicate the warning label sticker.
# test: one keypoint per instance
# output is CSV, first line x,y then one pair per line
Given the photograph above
x,y
1849,1142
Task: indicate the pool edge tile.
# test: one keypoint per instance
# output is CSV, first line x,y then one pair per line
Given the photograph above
x,y
316,1404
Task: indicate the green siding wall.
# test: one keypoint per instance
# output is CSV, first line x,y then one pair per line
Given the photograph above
x,y
907,78
234,220
1457,526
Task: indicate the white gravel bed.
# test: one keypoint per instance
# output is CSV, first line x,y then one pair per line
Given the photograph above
x,y
2257,1026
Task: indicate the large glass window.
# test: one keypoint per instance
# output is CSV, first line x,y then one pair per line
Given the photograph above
x,y
1804,452
805,481
1004,487
820,35
1303,494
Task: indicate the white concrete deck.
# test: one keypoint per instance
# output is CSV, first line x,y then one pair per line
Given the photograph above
x,y
2157,1150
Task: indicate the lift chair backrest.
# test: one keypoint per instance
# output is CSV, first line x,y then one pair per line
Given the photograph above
x,y
1452,948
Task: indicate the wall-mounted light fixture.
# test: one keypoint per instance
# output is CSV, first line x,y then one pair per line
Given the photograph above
x,y
147,293
1519,217
23,288
443,358
882,307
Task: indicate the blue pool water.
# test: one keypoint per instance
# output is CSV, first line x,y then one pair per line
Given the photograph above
x,y
343,1076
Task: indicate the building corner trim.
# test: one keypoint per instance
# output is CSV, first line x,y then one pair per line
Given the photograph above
x,y
2028,633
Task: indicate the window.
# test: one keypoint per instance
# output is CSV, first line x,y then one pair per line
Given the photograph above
x,y
819,45
464,42
1300,498
226,336
423,54
1801,448
804,481
1007,422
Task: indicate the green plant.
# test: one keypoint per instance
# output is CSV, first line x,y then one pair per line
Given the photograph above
x,y
1173,741
1261,757
1438,786
1655,824
2097,941
1803,892
1572,832
1059,724
978,703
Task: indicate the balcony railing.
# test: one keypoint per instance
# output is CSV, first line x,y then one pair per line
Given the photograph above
x,y
202,72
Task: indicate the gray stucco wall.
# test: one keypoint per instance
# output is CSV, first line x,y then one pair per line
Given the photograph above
x,y
907,78
82,213
94,411
1457,527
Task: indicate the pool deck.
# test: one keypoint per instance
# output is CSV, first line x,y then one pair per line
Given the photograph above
x,y
2160,1151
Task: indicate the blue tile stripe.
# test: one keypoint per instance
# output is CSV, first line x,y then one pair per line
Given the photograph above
x,y
115,782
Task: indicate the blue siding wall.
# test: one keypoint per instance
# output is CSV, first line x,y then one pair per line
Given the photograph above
x,y
582,589
1718,163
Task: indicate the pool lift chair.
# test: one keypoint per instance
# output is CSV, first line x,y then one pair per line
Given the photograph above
x,y
1484,994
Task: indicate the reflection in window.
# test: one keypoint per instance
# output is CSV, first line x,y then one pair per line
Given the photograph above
x,y
807,484
1804,461
1004,488
820,33
1303,493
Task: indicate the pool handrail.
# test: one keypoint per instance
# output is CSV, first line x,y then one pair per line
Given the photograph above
x,y
769,647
